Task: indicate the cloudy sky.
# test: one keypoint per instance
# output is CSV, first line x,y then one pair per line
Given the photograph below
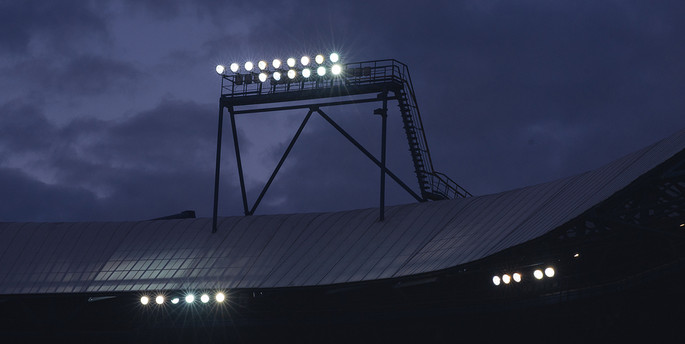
x,y
108,109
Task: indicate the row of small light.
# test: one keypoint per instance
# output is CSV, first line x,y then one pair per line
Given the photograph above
x,y
538,274
293,70
160,299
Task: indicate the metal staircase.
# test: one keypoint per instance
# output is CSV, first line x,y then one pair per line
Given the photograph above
x,y
434,185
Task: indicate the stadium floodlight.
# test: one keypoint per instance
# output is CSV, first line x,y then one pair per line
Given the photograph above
x,y
292,74
235,67
319,59
291,62
175,300
304,60
220,297
538,274
334,57
549,272
204,298
277,76
336,69
159,299
145,300
517,277
262,65
190,298
321,71
306,72
249,65
220,69
496,280
263,77
506,279
276,63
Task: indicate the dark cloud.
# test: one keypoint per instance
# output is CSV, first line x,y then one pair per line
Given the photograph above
x,y
511,94
60,25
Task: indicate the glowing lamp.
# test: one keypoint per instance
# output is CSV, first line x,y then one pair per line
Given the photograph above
x,y
304,60
517,277
145,300
496,280
321,71
204,298
235,67
291,62
248,66
276,63
506,279
319,59
220,69
537,274
190,298
263,77
334,57
277,76
292,74
336,69
220,297
549,272
306,72
159,299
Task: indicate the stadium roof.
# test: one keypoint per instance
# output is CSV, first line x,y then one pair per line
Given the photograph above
x,y
302,249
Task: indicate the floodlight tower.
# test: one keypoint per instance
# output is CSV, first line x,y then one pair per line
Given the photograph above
x,y
316,83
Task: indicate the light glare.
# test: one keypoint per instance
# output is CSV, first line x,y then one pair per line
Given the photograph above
x,y
336,69
220,297
537,274
145,300
276,63
495,280
319,59
248,66
304,60
549,272
235,67
306,72
277,76
292,74
159,299
262,65
190,298
321,71
262,77
220,69
175,300
204,298
291,62
334,57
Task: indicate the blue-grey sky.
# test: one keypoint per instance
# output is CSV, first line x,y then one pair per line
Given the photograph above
x,y
108,109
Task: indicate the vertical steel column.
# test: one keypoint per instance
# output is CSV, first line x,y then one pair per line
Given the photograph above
x,y
384,121
237,158
218,166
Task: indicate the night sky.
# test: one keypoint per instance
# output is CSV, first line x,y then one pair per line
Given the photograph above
x,y
108,109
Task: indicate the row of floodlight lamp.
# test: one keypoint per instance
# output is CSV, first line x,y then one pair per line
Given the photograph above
x,y
189,298
538,274
277,64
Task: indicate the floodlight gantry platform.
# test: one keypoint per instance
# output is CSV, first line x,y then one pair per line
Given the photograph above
x,y
366,82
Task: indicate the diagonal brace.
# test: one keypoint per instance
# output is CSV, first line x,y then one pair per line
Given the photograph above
x,y
280,163
369,155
